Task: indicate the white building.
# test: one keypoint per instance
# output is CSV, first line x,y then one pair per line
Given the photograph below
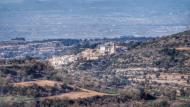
x,y
89,54
59,61
108,48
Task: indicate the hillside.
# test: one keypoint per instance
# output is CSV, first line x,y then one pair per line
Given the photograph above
x,y
154,73
181,39
170,53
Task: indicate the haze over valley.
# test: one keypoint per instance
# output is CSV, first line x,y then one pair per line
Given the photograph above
x,y
49,19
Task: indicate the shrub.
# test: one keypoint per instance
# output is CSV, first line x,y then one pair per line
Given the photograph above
x,y
159,103
133,93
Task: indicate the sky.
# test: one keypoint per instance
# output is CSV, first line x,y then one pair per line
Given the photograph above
x,y
50,19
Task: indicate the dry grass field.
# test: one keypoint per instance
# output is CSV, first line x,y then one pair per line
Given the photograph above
x,y
183,49
83,93
77,95
42,83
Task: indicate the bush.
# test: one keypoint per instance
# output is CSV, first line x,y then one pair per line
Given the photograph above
x,y
170,93
133,93
159,103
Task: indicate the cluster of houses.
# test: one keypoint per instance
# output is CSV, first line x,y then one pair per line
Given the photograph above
x,y
18,48
88,54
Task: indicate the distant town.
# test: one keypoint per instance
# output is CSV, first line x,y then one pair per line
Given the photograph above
x,y
20,48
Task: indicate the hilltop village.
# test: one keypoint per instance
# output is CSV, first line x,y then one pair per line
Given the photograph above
x,y
117,72
87,54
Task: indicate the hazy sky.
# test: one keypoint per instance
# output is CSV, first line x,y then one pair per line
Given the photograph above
x,y
42,19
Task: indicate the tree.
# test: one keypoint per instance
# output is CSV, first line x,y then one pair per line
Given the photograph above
x,y
188,80
170,93
157,74
3,83
133,93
